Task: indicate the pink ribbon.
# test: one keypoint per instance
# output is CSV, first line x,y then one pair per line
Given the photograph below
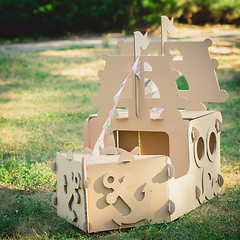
x,y
106,125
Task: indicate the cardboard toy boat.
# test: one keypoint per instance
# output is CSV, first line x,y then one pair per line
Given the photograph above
x,y
161,155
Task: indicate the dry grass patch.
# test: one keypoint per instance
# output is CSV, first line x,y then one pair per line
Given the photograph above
x,y
45,98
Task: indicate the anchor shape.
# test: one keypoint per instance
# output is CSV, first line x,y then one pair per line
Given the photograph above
x,y
139,209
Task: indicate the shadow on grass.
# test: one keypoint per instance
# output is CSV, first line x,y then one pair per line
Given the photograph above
x,y
27,214
31,215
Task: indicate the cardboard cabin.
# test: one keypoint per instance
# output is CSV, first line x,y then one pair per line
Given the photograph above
x,y
161,155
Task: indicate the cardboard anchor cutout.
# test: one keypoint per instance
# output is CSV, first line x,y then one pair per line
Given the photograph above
x,y
153,151
120,189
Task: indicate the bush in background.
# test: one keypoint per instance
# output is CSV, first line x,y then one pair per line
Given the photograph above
x,y
58,17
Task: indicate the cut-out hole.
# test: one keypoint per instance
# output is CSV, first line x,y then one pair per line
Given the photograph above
x,y
110,179
65,189
120,180
182,83
146,81
147,67
65,184
209,175
153,52
151,88
200,148
70,203
151,143
212,143
176,54
76,180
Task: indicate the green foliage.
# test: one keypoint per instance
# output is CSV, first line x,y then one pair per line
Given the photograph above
x,y
182,83
226,11
54,17
211,11
42,111
28,215
27,176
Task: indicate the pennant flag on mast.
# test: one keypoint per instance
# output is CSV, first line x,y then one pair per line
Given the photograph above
x,y
99,143
137,68
106,125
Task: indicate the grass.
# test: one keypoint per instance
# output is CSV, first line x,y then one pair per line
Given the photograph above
x,y
45,98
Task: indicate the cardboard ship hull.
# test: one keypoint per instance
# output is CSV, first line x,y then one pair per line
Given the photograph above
x,y
121,191
179,163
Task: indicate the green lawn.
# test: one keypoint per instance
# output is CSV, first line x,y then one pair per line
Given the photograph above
x,y
45,98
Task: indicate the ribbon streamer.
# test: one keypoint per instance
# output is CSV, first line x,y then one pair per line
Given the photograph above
x,y
106,126
137,68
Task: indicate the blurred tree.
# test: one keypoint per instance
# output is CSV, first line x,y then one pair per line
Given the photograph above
x,y
226,11
211,11
58,17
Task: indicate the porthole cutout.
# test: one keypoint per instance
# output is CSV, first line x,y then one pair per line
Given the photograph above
x,y
212,143
199,151
110,179
200,148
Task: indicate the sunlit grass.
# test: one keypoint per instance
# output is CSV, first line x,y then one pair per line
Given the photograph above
x,y
45,98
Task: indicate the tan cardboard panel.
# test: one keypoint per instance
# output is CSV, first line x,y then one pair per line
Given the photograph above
x,y
70,193
166,26
186,115
115,191
140,42
203,180
177,131
154,143
199,71
128,140
105,158
127,194
119,191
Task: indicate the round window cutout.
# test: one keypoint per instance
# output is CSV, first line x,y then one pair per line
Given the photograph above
x,y
110,179
212,143
200,148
